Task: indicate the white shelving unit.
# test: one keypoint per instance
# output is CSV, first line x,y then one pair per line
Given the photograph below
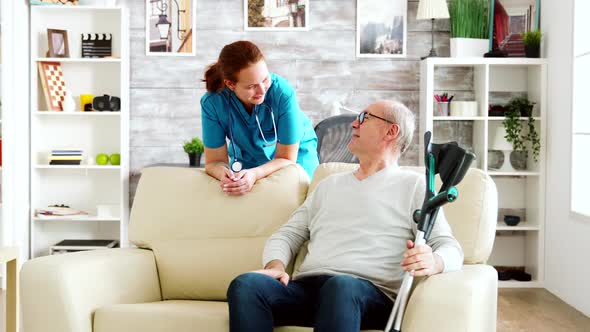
x,y
88,185
521,192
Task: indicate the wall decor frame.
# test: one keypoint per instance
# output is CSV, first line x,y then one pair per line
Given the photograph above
x,y
381,28
276,15
169,27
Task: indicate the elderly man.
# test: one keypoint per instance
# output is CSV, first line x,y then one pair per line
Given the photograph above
x,y
359,225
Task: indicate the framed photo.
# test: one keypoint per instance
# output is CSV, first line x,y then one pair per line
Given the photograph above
x,y
169,26
381,28
58,43
509,19
276,15
53,2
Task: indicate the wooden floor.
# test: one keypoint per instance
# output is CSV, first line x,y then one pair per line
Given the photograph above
x,y
537,310
519,310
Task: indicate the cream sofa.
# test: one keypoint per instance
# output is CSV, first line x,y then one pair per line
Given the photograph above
x,y
193,240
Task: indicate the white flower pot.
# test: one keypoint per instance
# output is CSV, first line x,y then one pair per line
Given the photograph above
x,y
469,47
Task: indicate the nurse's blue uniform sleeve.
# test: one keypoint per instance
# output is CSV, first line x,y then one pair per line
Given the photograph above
x,y
289,127
213,132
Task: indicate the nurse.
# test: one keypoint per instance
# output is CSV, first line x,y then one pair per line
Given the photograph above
x,y
258,113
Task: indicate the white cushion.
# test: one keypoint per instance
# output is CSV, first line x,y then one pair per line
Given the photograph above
x,y
203,238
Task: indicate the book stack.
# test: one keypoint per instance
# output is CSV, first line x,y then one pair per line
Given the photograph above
x,y
66,157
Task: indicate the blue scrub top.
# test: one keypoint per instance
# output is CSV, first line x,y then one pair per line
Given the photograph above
x,y
293,126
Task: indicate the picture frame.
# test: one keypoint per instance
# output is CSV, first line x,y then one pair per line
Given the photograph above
x,y
518,16
381,28
278,15
169,27
57,41
53,2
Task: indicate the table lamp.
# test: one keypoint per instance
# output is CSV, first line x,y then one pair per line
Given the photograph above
x,y
430,10
500,143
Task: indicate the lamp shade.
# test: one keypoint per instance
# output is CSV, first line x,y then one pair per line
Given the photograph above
x,y
499,142
430,9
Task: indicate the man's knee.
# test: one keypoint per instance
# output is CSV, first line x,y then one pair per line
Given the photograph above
x,y
342,286
245,284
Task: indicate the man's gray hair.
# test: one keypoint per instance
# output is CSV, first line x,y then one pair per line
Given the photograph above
x,y
398,113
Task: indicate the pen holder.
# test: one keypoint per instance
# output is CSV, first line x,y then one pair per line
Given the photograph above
x,y
443,109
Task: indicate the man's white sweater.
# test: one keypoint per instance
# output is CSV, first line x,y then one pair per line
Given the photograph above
x,y
360,228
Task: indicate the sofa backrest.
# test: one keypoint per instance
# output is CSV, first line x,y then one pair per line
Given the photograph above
x,y
472,217
202,238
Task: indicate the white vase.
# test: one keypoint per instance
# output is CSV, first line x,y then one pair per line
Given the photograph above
x,y
469,47
68,104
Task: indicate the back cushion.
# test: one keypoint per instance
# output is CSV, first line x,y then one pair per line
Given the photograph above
x,y
202,238
472,217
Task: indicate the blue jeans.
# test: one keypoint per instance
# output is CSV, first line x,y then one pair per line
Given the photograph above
x,y
328,303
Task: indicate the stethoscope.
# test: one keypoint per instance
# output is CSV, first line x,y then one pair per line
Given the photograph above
x,y
236,165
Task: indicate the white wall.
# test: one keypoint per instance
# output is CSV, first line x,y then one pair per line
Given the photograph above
x,y
567,248
14,228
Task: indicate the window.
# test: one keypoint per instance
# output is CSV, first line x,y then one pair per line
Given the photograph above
x,y
581,110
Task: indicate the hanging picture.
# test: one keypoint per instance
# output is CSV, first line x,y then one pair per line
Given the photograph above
x,y
54,2
54,86
169,27
276,15
381,28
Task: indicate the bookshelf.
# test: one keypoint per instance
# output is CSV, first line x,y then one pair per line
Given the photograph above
x,y
521,192
88,185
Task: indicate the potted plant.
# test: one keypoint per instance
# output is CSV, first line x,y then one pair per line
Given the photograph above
x,y
532,43
469,27
194,148
515,109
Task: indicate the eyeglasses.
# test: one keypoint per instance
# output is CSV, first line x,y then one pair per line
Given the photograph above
x,y
363,116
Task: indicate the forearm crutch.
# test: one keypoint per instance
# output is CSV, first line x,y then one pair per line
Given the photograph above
x,y
452,163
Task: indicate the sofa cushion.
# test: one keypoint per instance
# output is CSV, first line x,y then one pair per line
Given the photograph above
x,y
177,316
201,237
472,217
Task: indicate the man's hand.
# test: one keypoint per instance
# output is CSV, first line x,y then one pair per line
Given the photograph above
x,y
241,184
421,261
275,269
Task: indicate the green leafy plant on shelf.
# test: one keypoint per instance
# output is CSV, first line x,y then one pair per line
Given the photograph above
x,y
532,38
469,18
515,109
194,146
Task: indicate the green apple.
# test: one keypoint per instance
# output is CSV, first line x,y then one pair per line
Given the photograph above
x,y
115,159
102,159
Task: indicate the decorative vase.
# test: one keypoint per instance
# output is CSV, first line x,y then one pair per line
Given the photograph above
x,y
532,51
495,159
194,159
469,47
518,160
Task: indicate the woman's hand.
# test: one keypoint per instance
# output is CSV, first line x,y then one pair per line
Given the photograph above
x,y
241,184
227,178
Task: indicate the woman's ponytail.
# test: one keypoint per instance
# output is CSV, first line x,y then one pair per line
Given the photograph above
x,y
213,78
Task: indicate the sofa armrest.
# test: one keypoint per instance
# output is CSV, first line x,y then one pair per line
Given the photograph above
x,y
61,293
456,301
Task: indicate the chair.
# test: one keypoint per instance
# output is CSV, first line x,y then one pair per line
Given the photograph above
x,y
333,134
